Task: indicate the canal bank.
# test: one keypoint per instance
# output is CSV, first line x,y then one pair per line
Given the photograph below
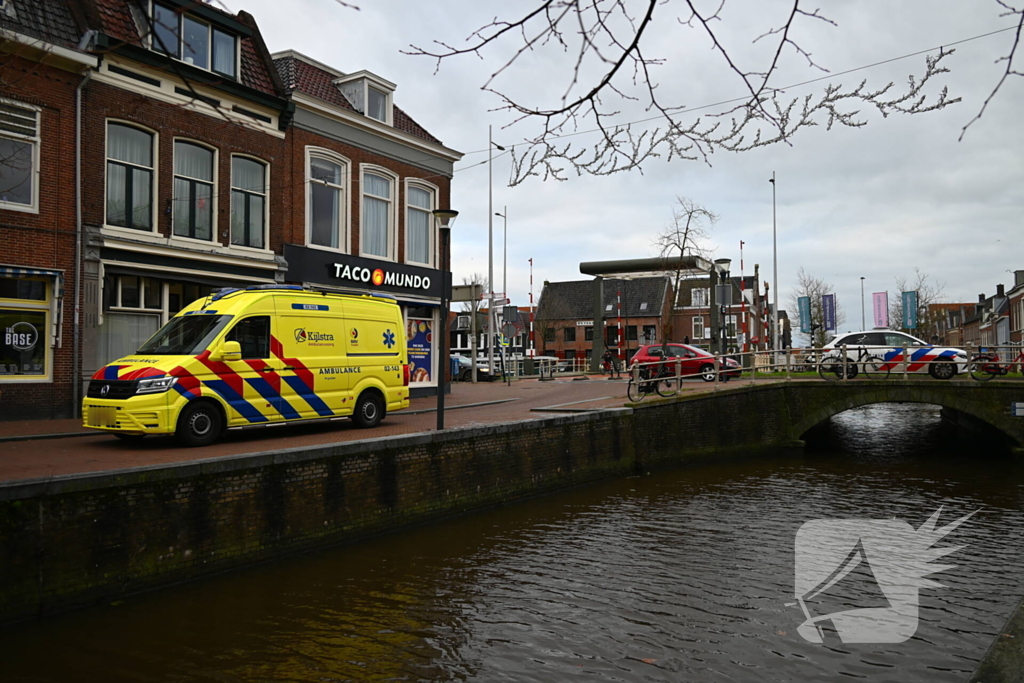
x,y
76,539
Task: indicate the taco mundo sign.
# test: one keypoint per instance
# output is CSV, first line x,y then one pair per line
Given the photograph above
x,y
316,265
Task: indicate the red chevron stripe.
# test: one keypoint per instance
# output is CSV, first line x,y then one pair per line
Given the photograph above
x,y
273,379
301,371
223,371
187,380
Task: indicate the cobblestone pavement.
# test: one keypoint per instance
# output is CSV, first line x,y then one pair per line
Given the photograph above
x,y
482,404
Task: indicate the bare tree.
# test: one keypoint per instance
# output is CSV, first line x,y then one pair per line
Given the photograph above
x,y
606,43
814,287
685,235
928,292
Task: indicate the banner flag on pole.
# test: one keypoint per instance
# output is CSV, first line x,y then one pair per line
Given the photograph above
x,y
880,306
804,304
828,308
910,310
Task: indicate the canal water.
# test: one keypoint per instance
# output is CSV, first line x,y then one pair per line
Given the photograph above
x,y
686,575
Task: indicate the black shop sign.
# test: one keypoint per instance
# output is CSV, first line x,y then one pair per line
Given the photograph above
x,y
341,270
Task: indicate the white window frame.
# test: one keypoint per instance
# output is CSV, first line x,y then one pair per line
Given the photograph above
x,y
392,211
266,203
699,328
700,297
155,214
214,194
345,207
432,251
181,42
36,173
143,286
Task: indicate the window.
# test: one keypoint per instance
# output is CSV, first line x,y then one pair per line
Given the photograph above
x,y
326,202
132,292
193,191
248,202
193,41
730,326
588,333
699,297
376,104
549,334
608,307
418,223
570,334
376,237
253,334
631,333
129,177
698,327
611,336
643,306
24,328
19,166
650,334
570,354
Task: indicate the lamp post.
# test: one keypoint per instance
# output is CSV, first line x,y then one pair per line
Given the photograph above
x,y
490,250
444,218
775,277
863,320
504,250
722,269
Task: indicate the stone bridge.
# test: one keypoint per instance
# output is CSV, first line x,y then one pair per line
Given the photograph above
x,y
780,413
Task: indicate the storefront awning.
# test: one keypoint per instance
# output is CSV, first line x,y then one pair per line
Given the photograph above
x,y
19,271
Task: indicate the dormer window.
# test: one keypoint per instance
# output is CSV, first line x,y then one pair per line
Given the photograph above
x,y
370,95
193,41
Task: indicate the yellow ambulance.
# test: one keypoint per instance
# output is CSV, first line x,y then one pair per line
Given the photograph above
x,y
263,355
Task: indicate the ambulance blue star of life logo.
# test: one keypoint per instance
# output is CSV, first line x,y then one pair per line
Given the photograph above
x,y
835,555
389,338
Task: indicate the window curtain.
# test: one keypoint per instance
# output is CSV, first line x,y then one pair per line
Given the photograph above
x,y
375,215
418,225
248,175
193,161
325,202
377,105
130,145
248,180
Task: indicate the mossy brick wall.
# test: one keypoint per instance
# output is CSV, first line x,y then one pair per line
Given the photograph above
x,y
73,540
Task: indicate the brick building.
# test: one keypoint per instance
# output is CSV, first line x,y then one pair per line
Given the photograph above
x,y
365,179
636,312
41,76
203,165
691,315
1015,300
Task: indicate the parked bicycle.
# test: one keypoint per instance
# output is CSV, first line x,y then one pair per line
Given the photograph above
x,y
986,365
652,380
832,367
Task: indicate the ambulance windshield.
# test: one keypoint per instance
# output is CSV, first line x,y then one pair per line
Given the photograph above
x,y
185,336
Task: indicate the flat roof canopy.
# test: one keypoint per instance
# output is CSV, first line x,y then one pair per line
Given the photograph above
x,y
692,265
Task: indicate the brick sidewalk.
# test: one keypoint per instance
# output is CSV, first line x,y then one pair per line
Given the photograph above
x,y
467,405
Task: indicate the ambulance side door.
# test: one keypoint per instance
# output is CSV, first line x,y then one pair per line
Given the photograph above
x,y
258,368
310,346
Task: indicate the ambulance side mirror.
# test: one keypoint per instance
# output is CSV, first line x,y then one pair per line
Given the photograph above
x,y
230,350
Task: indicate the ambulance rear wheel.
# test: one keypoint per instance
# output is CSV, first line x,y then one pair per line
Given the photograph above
x,y
369,410
200,424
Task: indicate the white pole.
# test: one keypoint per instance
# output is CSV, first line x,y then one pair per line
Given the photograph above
x,y
504,252
775,278
863,321
490,253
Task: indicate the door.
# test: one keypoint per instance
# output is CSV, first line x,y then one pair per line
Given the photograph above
x,y
250,386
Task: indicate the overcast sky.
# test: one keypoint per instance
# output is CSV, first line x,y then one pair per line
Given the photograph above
x,y
872,202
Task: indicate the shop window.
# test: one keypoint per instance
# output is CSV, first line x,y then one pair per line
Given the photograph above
x,y
193,191
248,202
180,295
419,322
325,203
129,177
19,161
24,329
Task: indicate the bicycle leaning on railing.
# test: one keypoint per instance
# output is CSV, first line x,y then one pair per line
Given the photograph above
x,y
985,365
648,380
833,366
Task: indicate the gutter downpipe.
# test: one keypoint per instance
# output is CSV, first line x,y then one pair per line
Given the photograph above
x,y
76,356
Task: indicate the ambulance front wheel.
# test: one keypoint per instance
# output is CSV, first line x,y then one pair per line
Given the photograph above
x,y
369,410
199,424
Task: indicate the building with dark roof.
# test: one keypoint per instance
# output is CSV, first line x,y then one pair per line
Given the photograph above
x,y
636,312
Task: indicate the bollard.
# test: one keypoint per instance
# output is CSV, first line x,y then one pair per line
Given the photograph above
x,y
679,375
846,360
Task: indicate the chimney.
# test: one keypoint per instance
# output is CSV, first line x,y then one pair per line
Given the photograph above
x,y
981,298
1000,291
1018,278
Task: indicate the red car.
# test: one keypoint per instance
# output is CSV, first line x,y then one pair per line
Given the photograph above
x,y
692,361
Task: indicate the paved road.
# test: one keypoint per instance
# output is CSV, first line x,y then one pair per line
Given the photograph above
x,y
523,400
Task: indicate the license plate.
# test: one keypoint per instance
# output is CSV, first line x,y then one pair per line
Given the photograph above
x,y
102,416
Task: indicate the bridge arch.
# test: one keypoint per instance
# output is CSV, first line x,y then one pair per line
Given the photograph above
x,y
975,407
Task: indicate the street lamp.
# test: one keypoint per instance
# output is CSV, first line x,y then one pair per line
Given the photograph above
x,y
444,219
722,269
863,320
775,277
490,249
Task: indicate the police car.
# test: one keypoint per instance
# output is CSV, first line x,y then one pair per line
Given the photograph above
x,y
938,361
